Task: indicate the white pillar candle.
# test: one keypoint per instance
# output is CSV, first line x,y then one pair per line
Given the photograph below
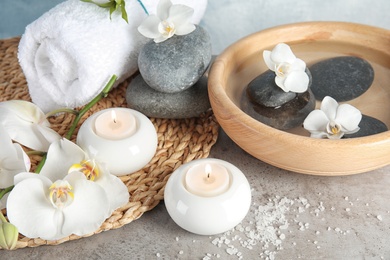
x,y
115,124
207,179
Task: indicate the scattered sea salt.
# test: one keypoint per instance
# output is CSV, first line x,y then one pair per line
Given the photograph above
x,y
269,225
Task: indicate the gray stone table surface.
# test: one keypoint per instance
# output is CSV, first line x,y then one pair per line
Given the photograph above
x,y
347,218
331,217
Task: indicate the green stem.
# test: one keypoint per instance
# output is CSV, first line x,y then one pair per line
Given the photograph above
x,y
143,7
62,110
41,163
81,113
5,191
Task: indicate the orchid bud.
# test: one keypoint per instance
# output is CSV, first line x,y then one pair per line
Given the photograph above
x,y
8,235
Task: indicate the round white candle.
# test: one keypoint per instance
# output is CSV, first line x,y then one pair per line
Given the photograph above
x,y
207,179
124,155
115,124
207,215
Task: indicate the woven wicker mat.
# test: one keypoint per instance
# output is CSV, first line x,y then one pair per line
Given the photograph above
x,y
179,141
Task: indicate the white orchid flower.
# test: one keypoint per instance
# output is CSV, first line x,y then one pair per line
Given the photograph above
x,y
41,208
170,20
332,120
13,160
78,160
27,124
59,203
289,70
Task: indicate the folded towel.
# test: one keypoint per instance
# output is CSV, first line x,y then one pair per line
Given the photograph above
x,y
71,51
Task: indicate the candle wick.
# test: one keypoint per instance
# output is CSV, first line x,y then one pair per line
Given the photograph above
x,y
208,175
114,119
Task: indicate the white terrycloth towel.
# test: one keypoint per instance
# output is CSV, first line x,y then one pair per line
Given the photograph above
x,y
71,51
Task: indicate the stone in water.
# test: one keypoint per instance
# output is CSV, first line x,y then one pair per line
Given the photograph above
x,y
177,63
368,126
264,91
342,78
287,116
189,103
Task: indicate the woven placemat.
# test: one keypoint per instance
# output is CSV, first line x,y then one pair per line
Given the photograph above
x,y
179,141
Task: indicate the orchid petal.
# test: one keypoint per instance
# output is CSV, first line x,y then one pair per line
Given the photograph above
x,y
22,109
329,106
163,7
48,134
115,189
282,53
89,208
185,29
21,154
13,160
267,59
316,121
297,81
161,38
61,156
336,136
27,124
348,117
29,209
279,81
180,14
9,168
26,175
6,144
318,135
149,27
298,64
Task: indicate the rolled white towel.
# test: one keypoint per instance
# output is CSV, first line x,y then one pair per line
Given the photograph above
x,y
70,52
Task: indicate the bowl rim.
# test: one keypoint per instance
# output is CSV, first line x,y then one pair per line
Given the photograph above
x,y
217,90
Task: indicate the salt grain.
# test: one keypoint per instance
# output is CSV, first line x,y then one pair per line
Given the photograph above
x,y
379,217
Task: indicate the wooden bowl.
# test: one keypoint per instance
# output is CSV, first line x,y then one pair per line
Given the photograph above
x,y
295,150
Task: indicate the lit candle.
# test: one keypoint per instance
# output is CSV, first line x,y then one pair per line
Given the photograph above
x,y
224,200
115,124
207,179
122,138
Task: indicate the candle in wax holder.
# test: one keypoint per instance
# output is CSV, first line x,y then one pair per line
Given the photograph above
x,y
124,139
207,196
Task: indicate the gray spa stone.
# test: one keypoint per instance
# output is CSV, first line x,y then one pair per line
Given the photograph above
x,y
177,63
368,126
189,103
342,78
264,91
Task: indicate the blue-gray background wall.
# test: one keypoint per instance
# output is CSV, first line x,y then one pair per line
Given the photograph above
x,y
230,20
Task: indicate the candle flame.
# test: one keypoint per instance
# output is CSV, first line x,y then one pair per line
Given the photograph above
x,y
113,116
208,170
